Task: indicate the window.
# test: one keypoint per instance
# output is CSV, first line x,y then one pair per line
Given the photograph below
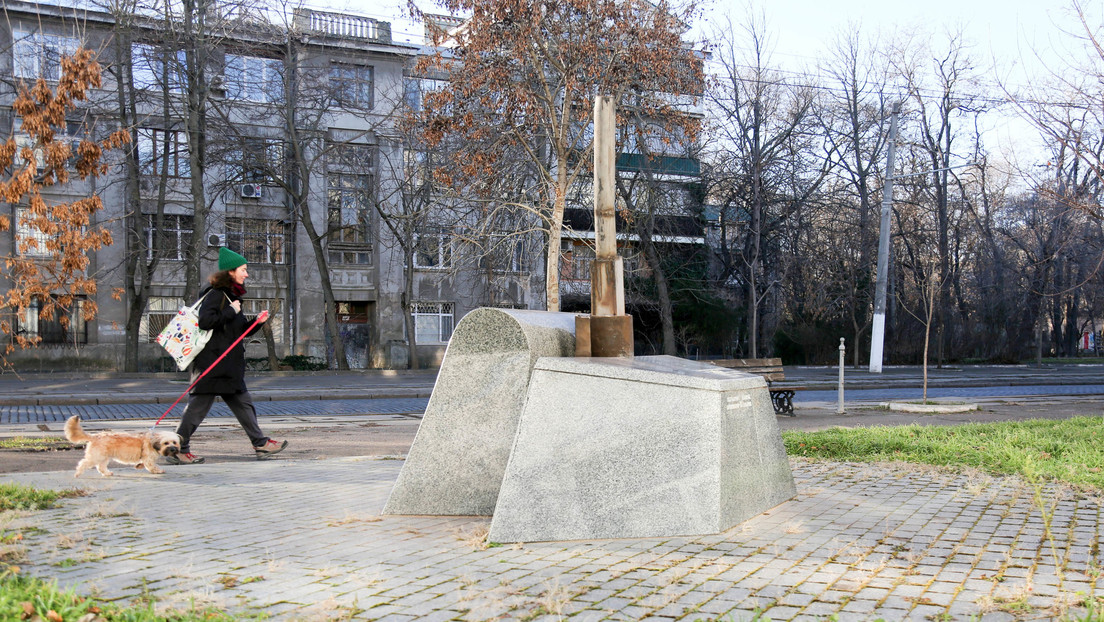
x,y
67,325
415,90
433,321
38,55
154,68
163,149
30,240
253,78
71,136
349,202
433,248
575,262
353,312
258,160
351,85
261,241
170,240
351,157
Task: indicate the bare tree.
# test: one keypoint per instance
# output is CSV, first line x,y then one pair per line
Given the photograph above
x,y
523,77
758,115
854,116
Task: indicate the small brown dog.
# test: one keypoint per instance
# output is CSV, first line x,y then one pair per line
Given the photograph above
x,y
141,450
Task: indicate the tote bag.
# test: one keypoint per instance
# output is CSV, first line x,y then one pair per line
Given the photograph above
x,y
183,338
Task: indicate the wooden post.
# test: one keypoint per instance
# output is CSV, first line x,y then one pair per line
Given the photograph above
x,y
609,329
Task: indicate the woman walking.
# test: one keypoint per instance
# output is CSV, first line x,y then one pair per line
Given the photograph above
x,y
221,314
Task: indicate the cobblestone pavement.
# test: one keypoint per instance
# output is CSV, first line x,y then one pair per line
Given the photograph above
x,y
303,540
109,412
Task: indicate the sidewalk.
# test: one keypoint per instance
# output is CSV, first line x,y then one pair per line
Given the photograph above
x,y
303,540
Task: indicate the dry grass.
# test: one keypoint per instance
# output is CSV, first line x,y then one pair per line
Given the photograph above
x,y
351,518
475,537
1009,599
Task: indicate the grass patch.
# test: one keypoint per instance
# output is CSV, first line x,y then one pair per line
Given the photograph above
x,y
27,443
19,497
28,598
1067,450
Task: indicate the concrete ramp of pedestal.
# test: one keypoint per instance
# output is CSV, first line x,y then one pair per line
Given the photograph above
x,y
459,455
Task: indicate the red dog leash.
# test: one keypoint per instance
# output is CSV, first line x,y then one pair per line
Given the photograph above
x,y
260,318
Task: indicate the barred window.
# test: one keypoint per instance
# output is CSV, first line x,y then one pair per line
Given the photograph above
x,y
38,55
170,240
433,248
433,321
262,241
30,240
163,149
159,312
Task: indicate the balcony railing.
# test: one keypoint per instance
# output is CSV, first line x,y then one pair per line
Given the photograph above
x,y
343,26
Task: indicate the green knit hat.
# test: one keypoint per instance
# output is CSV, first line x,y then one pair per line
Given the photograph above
x,y
229,260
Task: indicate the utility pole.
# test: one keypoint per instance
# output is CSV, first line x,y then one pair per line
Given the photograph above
x,y
877,335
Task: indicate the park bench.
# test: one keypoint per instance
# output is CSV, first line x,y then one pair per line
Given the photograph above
x,y
771,371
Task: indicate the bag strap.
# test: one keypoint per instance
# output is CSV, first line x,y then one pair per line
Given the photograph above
x,y
200,301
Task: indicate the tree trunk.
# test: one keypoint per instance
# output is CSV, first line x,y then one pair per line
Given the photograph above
x,y
555,233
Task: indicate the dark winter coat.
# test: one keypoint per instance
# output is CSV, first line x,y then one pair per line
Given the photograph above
x,y
216,315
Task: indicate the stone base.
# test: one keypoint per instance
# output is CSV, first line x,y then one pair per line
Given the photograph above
x,y
645,447
456,463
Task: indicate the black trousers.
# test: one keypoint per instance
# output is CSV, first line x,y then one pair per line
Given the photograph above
x,y
241,404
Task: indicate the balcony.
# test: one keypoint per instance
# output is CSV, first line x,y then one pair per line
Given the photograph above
x,y
342,26
660,165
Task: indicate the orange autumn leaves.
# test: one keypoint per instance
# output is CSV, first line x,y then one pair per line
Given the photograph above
x,y
52,266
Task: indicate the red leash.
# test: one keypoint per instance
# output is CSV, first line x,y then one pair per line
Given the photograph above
x,y
260,318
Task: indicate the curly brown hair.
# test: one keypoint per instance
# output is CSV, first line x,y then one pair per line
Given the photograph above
x,y
220,279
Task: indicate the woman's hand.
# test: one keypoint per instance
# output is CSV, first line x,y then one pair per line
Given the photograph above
x,y
237,306
263,316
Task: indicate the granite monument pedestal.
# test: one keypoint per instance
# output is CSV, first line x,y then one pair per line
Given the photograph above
x,y
640,447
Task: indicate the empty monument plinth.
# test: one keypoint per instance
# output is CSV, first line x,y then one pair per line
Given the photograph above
x,y
459,455
644,447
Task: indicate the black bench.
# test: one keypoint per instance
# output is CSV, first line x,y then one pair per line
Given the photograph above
x,y
771,370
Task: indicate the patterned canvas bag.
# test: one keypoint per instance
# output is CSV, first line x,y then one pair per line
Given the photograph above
x,y
183,338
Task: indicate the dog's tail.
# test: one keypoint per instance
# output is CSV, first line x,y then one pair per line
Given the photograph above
x,y
73,431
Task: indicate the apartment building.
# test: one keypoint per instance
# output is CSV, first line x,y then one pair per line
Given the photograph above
x,y
309,193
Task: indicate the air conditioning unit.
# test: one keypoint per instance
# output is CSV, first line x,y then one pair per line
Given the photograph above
x,y
216,239
252,191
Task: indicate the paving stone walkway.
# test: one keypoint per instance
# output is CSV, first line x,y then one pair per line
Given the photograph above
x,y
303,540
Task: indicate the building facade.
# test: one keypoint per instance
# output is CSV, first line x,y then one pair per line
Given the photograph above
x,y
305,171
